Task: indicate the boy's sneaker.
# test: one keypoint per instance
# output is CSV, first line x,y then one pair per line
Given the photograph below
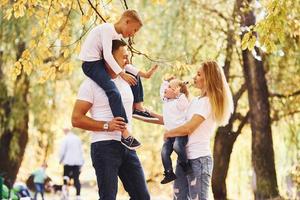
x,y
169,176
143,115
130,142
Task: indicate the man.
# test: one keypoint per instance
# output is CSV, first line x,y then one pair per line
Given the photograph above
x,y
71,156
109,157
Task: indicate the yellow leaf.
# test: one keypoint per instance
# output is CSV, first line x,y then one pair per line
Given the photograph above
x,y
66,53
26,54
3,2
245,40
8,14
251,43
27,66
31,44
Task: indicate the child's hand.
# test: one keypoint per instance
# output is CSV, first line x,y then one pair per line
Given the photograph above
x,y
170,93
131,80
150,72
169,78
153,69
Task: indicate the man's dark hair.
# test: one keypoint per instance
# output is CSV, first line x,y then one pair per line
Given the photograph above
x,y
116,44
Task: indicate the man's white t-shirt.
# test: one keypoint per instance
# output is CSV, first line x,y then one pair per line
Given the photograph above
x,y
199,141
89,91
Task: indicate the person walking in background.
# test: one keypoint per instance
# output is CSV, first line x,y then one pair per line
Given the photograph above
x,y
39,177
71,156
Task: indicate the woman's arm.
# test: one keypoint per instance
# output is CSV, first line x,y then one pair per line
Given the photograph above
x,y
187,128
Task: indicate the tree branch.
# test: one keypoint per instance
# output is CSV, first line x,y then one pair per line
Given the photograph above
x,y
94,8
285,95
244,121
80,7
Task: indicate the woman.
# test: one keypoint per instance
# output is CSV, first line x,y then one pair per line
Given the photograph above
x,y
213,107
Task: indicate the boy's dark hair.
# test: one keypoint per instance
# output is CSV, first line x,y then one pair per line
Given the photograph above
x,y
116,44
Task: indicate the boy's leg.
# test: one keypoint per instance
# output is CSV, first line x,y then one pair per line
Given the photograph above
x,y
96,71
132,176
179,148
107,158
138,92
166,152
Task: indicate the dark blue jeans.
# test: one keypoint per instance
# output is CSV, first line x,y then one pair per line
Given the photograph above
x,y
111,160
137,90
39,188
178,145
96,71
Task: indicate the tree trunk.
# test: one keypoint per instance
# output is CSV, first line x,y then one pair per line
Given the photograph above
x,y
262,144
225,137
14,123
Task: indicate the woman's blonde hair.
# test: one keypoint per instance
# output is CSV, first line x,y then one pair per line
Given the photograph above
x,y
218,92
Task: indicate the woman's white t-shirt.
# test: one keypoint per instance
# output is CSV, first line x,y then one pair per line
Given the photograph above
x,y
199,141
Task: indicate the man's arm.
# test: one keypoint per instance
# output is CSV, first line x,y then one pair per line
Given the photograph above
x,y
80,120
186,129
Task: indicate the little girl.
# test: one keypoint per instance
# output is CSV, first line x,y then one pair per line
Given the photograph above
x,y
173,93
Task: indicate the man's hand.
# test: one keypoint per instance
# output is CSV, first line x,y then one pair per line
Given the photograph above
x,y
117,124
131,80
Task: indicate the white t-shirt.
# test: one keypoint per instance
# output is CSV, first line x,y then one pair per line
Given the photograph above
x,y
71,152
174,110
89,91
199,141
98,45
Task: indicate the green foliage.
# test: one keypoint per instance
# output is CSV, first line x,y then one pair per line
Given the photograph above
x,y
281,20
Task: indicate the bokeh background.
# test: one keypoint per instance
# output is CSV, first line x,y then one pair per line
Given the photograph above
x,y
256,43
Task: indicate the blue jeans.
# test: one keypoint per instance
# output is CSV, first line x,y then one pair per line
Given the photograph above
x,y
178,145
137,90
96,71
196,184
112,160
39,188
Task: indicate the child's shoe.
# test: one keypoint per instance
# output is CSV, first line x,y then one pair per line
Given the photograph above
x,y
169,176
130,142
144,115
